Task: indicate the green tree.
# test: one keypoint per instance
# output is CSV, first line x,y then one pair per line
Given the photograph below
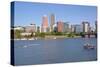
x,y
58,33
70,35
42,35
18,34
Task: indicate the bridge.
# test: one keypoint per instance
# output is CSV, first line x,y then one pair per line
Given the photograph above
x,y
88,35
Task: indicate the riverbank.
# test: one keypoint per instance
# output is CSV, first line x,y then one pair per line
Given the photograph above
x,y
58,37
47,38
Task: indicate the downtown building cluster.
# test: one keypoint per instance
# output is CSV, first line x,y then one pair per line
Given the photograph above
x,y
49,24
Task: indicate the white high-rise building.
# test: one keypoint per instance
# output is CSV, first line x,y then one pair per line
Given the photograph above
x,y
86,27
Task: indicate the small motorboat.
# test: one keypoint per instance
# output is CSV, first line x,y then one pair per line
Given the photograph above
x,y
89,46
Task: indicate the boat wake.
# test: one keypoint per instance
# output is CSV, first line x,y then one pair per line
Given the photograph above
x,y
27,46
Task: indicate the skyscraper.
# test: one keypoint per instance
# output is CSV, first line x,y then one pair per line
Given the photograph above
x,y
78,28
44,26
60,26
86,27
72,28
52,22
65,27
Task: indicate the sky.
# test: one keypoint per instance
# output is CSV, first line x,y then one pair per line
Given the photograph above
x,y
30,12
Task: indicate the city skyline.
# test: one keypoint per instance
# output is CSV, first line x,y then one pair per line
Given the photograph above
x,y
27,13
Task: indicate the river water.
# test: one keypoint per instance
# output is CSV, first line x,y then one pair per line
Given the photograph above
x,y
29,52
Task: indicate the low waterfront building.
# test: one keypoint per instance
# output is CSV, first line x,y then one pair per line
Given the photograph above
x,y
18,28
31,28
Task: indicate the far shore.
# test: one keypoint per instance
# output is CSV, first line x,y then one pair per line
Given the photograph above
x,y
47,38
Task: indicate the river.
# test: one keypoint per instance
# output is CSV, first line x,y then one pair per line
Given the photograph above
x,y
29,52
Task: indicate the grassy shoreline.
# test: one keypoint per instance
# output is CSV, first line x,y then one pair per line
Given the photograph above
x,y
47,38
